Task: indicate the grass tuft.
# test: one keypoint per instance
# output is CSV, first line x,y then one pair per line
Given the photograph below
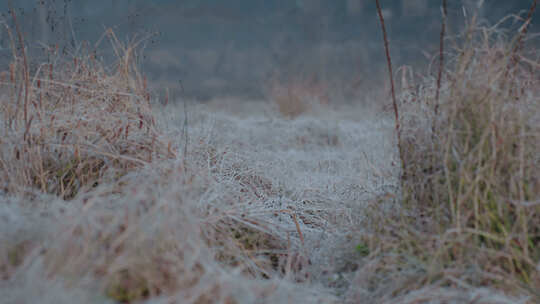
x,y
299,96
86,122
470,216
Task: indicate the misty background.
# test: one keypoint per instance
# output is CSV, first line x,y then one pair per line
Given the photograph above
x,y
240,48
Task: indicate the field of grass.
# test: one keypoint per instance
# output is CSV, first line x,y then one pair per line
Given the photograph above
x,y
109,195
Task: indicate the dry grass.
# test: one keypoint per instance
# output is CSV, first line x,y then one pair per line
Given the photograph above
x,y
471,187
298,96
97,206
154,241
84,122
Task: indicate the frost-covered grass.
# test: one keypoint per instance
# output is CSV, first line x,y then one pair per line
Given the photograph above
x,y
468,230
259,208
108,196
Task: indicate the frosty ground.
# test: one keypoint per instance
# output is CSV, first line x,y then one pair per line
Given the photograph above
x,y
111,193
299,185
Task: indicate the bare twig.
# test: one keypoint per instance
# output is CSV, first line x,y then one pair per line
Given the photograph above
x,y
441,56
25,61
390,73
514,55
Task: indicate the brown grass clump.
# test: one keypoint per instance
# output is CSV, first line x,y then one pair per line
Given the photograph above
x,y
471,185
83,121
298,96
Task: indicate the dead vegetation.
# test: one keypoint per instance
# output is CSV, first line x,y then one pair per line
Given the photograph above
x,y
298,96
83,150
101,199
470,217
74,122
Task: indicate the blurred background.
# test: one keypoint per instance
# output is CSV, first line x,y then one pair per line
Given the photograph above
x,y
241,48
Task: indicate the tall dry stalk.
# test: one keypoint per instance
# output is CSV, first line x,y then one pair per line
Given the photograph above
x,y
518,42
441,55
392,87
25,62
